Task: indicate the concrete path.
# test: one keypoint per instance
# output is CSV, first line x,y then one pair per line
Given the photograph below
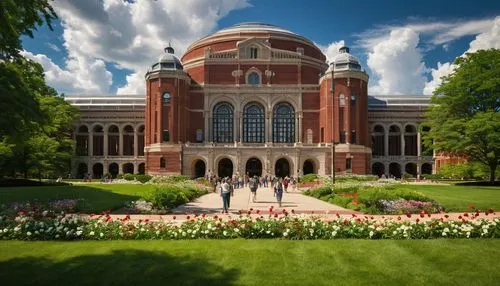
x,y
241,202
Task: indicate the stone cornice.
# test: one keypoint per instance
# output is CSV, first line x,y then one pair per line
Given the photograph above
x,y
264,89
345,74
178,74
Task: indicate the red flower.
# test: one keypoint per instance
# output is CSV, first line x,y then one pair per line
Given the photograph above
x,y
258,211
188,217
249,212
353,215
429,215
203,215
271,209
417,220
446,216
459,217
293,211
337,214
275,215
491,210
174,217
408,215
399,218
346,222
466,214
422,215
251,209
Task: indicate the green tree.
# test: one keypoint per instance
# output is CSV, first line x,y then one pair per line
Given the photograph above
x,y
464,119
20,17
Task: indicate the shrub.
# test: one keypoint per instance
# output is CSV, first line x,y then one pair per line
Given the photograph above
x,y
128,177
319,192
408,176
340,201
170,196
379,200
143,178
308,178
356,178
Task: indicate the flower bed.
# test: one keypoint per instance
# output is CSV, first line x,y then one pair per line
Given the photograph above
x,y
26,226
379,197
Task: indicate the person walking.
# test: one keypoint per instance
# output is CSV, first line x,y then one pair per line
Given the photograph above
x,y
285,184
252,184
278,190
226,190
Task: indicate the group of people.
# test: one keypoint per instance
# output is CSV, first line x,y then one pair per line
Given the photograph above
x,y
226,187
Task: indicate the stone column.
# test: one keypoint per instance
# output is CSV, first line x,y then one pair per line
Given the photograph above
x,y
136,147
402,143
237,128
386,143
206,137
269,126
120,168
105,143
419,148
300,128
297,127
91,144
210,130
136,168
120,143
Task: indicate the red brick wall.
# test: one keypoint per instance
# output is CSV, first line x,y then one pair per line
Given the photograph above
x,y
291,45
310,75
221,74
310,120
172,160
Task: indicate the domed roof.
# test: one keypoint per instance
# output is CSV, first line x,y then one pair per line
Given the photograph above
x,y
167,61
345,61
254,26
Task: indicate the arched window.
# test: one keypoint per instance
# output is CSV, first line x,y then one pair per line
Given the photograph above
x,y
166,97
283,123
253,123
341,100
253,78
223,123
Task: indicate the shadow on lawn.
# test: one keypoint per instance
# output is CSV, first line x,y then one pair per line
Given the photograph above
x,y
93,198
121,267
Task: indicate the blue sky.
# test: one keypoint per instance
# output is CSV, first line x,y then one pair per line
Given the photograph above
x,y
104,47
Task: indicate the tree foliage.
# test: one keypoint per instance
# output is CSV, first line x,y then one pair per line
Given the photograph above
x,y
464,118
20,17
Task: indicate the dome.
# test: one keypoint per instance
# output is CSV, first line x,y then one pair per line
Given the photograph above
x,y
167,61
345,61
254,26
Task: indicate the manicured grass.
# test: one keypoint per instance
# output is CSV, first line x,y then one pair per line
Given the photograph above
x,y
251,262
459,198
96,197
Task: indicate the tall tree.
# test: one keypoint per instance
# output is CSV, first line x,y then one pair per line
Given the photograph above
x,y
20,17
464,118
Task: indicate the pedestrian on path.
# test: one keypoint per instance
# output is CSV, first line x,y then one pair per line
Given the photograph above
x,y
278,190
252,184
226,191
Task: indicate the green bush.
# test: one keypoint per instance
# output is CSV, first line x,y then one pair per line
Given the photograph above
x,y
356,178
340,201
319,192
128,177
170,196
308,178
142,178
370,196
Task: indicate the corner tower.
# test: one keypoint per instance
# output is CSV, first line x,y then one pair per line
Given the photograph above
x,y
167,87
344,117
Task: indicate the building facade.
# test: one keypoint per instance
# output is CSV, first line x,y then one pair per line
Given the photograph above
x,y
251,99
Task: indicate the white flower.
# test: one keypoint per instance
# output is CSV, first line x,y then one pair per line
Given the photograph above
x,y
224,233
57,235
101,234
157,232
371,233
394,232
444,233
44,213
28,233
485,230
334,233
79,232
236,230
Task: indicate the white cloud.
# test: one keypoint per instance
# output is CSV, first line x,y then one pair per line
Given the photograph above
x,y
54,47
397,63
331,50
131,35
485,40
80,76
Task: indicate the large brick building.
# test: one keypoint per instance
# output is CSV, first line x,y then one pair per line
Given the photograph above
x,y
253,98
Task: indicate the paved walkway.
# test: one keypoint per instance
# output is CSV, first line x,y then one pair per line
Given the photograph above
x,y
241,202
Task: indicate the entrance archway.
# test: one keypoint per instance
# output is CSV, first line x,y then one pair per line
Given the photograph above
x,y
97,170
113,169
225,168
142,168
426,168
199,169
253,167
308,167
411,168
128,168
395,170
282,168
378,169
82,171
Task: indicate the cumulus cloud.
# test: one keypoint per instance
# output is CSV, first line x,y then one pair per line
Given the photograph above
x,y
331,50
397,62
131,35
486,40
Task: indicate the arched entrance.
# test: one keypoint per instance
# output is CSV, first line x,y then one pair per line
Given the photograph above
x,y
253,167
113,169
395,170
97,170
282,168
411,168
378,169
199,169
426,168
142,168
128,168
82,171
225,168
308,167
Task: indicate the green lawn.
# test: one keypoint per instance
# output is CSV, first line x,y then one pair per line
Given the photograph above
x,y
97,197
251,262
458,198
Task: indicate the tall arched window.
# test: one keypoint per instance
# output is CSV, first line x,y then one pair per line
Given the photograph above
x,y
253,78
341,100
253,123
283,123
223,123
